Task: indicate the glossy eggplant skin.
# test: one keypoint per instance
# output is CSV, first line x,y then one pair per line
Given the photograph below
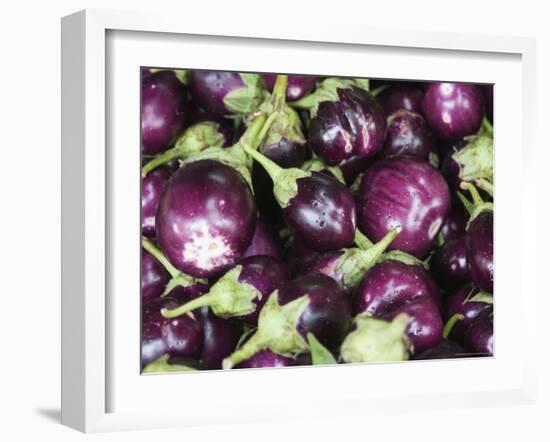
x,y
392,287
209,88
407,193
454,225
178,337
220,338
456,303
266,274
479,338
479,250
327,264
164,111
298,85
264,359
408,134
487,90
153,277
151,189
446,349
322,214
206,218
453,110
299,256
401,97
328,314
264,242
355,125
449,265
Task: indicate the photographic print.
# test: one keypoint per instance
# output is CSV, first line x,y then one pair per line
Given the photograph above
x,y
296,220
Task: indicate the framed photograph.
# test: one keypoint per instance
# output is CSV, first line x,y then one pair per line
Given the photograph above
x,y
252,214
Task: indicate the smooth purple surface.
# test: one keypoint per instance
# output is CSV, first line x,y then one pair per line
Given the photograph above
x,y
328,314
153,277
449,265
297,87
355,166
151,188
444,350
178,337
220,338
209,88
322,214
327,264
266,274
285,153
479,337
408,134
392,287
299,256
265,358
264,242
164,111
454,225
455,303
487,90
401,96
453,110
479,250
353,125
206,218
403,192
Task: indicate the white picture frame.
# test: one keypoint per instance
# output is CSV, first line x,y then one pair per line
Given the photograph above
x,y
91,228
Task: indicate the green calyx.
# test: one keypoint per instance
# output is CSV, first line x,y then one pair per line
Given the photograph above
x,y
192,141
377,340
405,258
474,296
475,160
276,331
317,165
178,278
320,355
477,205
246,99
285,186
326,91
354,263
227,298
161,365
361,240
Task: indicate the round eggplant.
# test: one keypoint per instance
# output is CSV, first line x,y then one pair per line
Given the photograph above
x,y
479,250
449,265
298,85
265,358
151,188
479,337
408,134
401,97
153,277
454,225
264,242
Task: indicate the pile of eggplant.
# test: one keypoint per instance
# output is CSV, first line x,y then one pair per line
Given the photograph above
x,y
298,220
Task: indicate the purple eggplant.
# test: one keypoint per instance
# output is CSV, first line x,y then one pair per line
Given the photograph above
x,y
299,256
242,291
179,337
391,288
487,90
153,277
461,308
401,97
453,110
446,349
206,218
226,92
407,193
408,134
264,359
298,85
309,304
454,225
479,337
449,265
264,241
351,124
318,208
164,111
151,189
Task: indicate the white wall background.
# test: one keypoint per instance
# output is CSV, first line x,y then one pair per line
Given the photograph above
x,y
30,215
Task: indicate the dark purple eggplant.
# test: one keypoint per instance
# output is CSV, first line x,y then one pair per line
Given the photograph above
x,y
164,111
309,304
454,225
401,97
406,193
264,359
453,110
153,277
241,292
318,208
391,288
298,85
446,349
487,90
264,241
299,256
479,337
408,134
226,92
151,189
449,265
179,337
206,218
461,308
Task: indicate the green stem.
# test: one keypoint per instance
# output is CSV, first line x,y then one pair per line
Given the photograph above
x,y
362,241
252,137
466,202
440,239
271,167
279,92
485,185
451,323
160,160
157,253
476,198
201,301
265,128
250,347
379,90
486,125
